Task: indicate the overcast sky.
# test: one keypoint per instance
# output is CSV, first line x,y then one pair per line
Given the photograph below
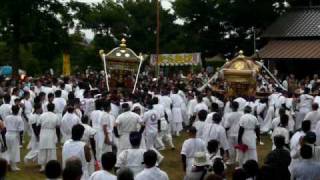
x,y
165,3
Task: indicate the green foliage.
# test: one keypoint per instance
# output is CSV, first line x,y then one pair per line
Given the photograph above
x,y
35,33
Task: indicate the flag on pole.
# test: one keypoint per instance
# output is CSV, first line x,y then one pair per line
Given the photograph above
x,y
66,64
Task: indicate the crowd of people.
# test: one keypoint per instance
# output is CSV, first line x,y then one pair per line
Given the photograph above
x,y
119,135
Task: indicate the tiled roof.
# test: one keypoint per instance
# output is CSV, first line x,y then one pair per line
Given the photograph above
x,y
291,49
299,22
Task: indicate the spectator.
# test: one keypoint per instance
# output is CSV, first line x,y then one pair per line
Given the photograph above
x,y
251,168
306,168
72,170
125,174
3,168
53,170
108,160
199,167
151,172
190,147
279,159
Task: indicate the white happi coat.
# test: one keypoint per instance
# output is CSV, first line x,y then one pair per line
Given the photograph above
x,y
268,119
153,173
102,175
59,105
190,107
282,132
177,103
213,100
151,118
89,132
34,144
215,131
200,106
126,123
199,125
189,148
67,122
242,103
160,109
167,103
314,117
95,118
248,122
108,120
305,106
73,148
14,124
48,138
132,159
5,110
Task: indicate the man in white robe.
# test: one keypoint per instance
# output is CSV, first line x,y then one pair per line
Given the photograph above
x,y
190,147
305,106
108,160
106,135
249,132
34,122
75,148
5,108
217,132
95,119
177,103
69,119
232,127
49,121
133,158
313,116
125,123
14,124
151,120
151,171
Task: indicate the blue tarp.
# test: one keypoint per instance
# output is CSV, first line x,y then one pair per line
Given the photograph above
x,y
5,70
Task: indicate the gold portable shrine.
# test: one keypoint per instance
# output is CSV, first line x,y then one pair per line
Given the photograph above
x,y
240,74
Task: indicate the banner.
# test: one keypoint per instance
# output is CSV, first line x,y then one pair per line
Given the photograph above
x,y
66,70
184,59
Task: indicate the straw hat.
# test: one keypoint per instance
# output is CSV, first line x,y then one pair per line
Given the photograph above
x,y
200,159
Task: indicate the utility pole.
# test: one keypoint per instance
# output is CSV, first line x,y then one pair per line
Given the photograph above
x,y
158,37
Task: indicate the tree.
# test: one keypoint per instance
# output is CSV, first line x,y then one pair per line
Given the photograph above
x,y
37,25
133,20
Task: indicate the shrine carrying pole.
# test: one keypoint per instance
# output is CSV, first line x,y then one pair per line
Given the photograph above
x,y
103,57
137,76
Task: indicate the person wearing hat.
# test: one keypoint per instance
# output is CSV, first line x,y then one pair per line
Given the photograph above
x,y
151,172
190,147
199,167
125,123
249,133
